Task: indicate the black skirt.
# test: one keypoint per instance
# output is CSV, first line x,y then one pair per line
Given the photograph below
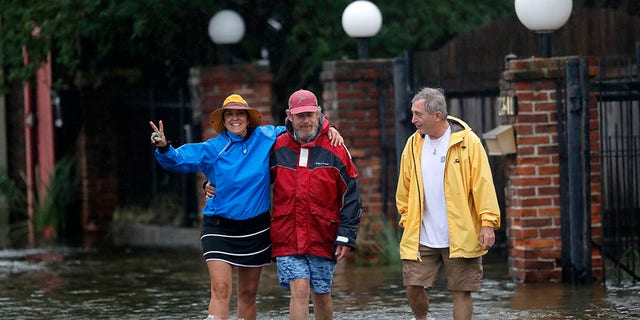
x,y
244,243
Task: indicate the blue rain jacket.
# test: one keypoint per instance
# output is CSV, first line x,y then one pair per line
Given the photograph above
x,y
238,167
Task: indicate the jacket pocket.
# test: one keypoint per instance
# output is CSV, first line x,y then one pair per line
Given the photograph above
x,y
325,225
281,228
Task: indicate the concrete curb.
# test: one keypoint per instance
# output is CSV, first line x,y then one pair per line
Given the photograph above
x,y
142,235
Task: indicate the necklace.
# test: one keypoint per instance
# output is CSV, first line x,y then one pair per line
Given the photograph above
x,y
435,147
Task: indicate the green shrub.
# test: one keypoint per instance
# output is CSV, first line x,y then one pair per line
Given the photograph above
x,y
62,192
51,213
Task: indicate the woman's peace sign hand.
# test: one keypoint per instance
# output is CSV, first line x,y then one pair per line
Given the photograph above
x,y
157,136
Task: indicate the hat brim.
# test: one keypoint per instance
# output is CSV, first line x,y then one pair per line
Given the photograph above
x,y
217,122
302,109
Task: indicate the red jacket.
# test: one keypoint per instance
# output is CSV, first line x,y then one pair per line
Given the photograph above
x,y
316,206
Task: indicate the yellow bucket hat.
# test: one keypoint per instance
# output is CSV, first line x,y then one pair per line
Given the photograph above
x,y
236,102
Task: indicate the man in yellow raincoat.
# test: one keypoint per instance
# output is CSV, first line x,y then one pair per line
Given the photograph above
x,y
447,205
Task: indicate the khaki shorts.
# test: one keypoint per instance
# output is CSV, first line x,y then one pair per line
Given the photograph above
x,y
463,274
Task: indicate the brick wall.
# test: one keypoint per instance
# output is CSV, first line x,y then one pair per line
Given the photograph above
x,y
533,194
253,83
354,95
97,149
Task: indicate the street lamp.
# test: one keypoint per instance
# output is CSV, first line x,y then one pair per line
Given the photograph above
x,y
544,17
225,29
362,20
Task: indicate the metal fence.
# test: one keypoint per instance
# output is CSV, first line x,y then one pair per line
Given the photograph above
x,y
618,94
142,182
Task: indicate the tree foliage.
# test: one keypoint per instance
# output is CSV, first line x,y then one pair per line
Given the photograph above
x,y
164,38
98,34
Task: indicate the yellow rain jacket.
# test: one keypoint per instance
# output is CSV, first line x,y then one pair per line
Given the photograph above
x,y
469,193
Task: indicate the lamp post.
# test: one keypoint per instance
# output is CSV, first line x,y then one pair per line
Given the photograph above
x,y
362,20
225,29
543,17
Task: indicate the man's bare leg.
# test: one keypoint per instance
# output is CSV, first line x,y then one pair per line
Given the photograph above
x,y
322,306
418,301
299,303
462,305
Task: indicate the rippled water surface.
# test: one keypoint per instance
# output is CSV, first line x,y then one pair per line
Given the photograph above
x,y
173,284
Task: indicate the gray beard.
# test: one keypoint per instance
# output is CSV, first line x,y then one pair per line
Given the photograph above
x,y
300,139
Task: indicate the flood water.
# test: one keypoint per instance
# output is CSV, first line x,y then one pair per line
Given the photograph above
x,y
131,283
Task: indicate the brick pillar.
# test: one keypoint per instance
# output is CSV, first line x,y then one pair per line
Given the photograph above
x,y
215,83
252,82
98,164
353,93
533,195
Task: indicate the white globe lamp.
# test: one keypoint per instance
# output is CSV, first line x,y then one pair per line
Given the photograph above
x,y
543,17
362,20
225,29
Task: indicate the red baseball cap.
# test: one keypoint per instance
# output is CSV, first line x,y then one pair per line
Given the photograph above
x,y
303,101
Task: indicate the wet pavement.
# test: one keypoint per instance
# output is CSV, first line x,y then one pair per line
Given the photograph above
x,y
131,283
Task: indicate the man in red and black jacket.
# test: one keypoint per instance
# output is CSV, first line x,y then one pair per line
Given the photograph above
x,y
316,207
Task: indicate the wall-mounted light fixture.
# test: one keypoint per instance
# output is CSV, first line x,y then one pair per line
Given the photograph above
x,y
500,140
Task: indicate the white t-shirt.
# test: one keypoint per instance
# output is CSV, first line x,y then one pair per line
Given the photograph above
x,y
434,231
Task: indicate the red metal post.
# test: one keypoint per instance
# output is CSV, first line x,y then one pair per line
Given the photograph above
x,y
39,145
46,132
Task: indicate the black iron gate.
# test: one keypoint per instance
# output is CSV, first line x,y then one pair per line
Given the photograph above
x,y
575,171
618,94
142,182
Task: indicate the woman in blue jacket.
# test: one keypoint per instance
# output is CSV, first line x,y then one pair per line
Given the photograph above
x,y
235,224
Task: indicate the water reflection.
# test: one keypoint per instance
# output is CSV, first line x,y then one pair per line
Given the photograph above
x,y
171,284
